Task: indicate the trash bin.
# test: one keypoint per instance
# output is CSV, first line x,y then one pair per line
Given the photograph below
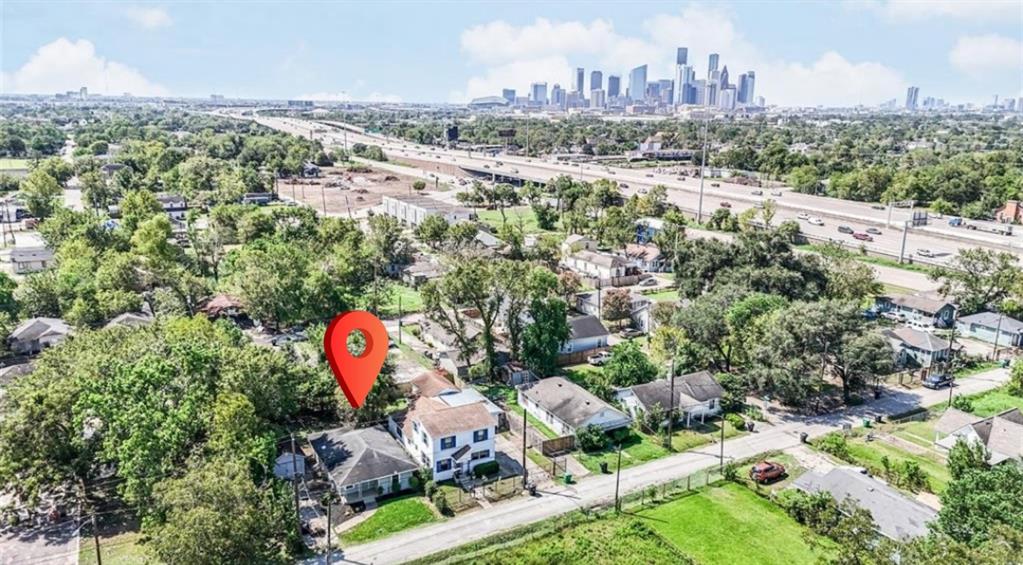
x,y
803,437
867,422
603,467
568,478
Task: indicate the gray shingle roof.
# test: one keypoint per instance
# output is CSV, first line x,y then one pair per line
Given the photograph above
x,y
356,456
990,320
917,339
36,328
896,516
691,389
924,304
568,401
582,327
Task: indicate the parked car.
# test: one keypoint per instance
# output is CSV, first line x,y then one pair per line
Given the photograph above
x,y
650,175
630,333
715,184
936,381
766,471
599,358
925,252
862,236
816,221
874,231
845,229
622,185
878,206
726,204
775,193
648,282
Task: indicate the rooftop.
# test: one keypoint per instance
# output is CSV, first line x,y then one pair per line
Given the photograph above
x,y
917,339
355,456
582,327
570,402
427,203
991,320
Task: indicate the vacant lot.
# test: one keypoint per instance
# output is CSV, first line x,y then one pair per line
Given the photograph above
x,y
731,524
392,516
869,454
995,401
638,447
341,190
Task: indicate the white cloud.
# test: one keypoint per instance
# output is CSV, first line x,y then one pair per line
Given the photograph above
x,y
916,10
506,56
979,54
67,65
148,17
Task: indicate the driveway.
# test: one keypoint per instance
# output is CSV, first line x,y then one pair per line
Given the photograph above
x,y
598,489
49,545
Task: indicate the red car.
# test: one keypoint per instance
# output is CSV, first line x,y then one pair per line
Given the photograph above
x,y
766,471
726,204
862,236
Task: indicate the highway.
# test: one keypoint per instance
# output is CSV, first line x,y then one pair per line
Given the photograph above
x,y
941,240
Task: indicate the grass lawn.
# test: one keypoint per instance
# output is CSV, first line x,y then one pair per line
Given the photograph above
x,y
883,261
869,454
392,516
529,226
919,432
510,397
540,426
731,524
792,472
411,301
639,447
458,499
415,356
8,163
580,374
121,549
670,295
977,369
995,401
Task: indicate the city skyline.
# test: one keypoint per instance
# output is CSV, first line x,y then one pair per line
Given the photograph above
x,y
445,53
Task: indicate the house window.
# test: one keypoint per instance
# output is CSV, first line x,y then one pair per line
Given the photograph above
x,y
423,436
447,442
480,454
480,435
711,403
443,465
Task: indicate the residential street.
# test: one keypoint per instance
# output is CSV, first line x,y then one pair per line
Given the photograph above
x,y
423,541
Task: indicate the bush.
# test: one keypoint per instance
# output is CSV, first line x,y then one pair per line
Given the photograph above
x,y
440,502
818,511
731,471
591,438
962,403
736,420
429,489
834,444
484,469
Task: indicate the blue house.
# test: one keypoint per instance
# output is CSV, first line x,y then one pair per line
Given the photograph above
x,y
986,325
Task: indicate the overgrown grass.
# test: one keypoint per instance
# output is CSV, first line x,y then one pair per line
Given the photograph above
x,y
869,454
883,261
994,401
393,515
541,427
411,301
977,369
638,447
670,295
524,213
10,163
731,524
120,549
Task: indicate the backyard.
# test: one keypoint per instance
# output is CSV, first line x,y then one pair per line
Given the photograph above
x,y
393,515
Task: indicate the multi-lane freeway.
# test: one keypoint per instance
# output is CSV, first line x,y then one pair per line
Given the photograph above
x,y
820,217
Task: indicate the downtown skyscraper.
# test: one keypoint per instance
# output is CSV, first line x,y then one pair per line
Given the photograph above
x,y
637,84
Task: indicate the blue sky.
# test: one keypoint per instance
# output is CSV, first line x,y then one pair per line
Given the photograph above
x,y
804,53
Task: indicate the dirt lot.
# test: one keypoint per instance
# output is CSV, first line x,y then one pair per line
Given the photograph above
x,y
339,190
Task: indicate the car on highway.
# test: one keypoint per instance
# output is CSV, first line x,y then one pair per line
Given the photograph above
x,y
862,236
873,231
925,252
802,216
623,185
936,381
650,175
878,206
845,229
816,221
715,184
726,204
775,193
486,166
766,471
598,359
757,192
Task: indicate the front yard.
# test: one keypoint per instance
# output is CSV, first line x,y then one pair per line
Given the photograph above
x,y
639,447
393,515
731,524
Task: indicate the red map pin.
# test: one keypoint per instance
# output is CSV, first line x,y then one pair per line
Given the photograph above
x,y
355,374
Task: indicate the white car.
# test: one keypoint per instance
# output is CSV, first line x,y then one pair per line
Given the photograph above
x,y
802,216
599,358
816,221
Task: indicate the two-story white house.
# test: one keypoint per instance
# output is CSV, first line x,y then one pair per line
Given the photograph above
x,y
451,439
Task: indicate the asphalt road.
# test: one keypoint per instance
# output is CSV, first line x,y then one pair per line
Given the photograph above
x,y
940,239
420,542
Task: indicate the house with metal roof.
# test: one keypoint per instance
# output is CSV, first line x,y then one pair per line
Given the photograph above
x,y
895,515
992,328
697,395
567,407
363,464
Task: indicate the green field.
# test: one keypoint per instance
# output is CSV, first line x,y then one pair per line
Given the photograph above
x,y
513,215
995,401
121,549
731,524
883,261
869,454
411,301
639,447
392,516
8,163
670,295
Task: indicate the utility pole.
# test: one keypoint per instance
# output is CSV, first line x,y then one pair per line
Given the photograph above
x,y
671,402
294,483
998,332
525,471
703,171
618,477
722,460
951,353
902,248
84,501
328,500
323,196
399,319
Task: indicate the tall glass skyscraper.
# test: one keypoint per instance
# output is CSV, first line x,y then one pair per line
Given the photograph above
x,y
637,84
580,75
614,86
682,56
712,63
596,80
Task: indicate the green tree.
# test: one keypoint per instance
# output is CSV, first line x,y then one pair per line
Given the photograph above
x,y
966,456
137,206
980,500
629,366
617,305
41,192
978,277
542,340
433,230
